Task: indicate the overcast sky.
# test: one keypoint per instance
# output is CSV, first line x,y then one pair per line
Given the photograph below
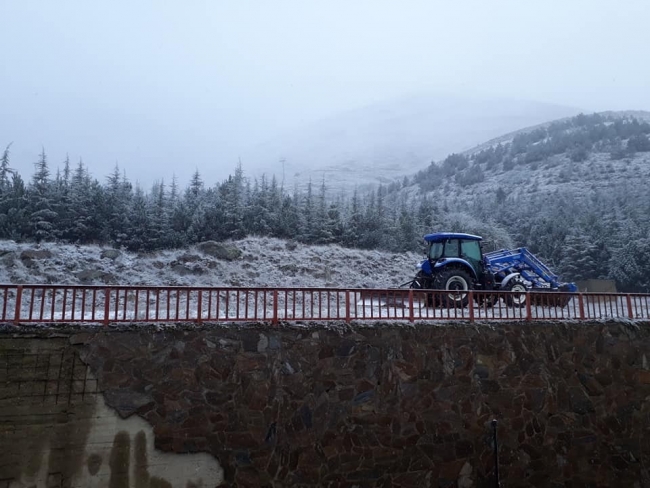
x,y
164,87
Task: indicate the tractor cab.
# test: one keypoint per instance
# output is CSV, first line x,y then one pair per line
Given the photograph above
x,y
446,247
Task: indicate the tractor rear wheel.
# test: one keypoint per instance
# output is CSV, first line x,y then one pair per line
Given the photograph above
x,y
518,298
458,282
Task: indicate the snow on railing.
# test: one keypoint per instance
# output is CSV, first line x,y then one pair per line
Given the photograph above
x,y
36,304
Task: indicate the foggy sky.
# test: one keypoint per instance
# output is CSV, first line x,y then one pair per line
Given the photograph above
x,y
167,87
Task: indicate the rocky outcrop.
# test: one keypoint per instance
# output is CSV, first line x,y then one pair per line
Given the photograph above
x,y
219,250
112,254
90,276
35,254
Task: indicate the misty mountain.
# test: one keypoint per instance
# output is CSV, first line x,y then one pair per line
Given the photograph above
x,y
385,141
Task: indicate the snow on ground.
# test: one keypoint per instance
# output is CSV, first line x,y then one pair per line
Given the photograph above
x,y
264,262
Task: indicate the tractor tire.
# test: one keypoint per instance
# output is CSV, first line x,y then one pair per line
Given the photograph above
x,y
457,280
517,300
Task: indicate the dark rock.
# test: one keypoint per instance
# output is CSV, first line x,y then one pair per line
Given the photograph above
x,y
481,371
305,415
489,386
243,458
35,254
364,397
346,348
219,251
364,475
89,276
81,338
288,369
591,385
110,254
185,269
535,398
189,258
275,342
126,401
249,341
580,403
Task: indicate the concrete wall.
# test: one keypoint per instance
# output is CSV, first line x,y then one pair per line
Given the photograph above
x,y
315,406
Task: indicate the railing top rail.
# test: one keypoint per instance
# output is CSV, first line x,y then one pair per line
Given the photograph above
x,y
281,288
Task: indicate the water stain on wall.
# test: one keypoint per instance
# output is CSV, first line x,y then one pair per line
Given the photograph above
x,y
57,431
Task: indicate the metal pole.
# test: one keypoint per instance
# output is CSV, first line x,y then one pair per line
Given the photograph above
x,y
496,454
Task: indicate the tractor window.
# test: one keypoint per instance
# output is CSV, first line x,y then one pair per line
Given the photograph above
x,y
471,250
451,248
435,250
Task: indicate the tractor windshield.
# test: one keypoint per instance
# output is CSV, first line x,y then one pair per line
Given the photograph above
x,y
435,250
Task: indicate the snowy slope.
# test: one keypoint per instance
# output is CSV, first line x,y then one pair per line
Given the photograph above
x,y
263,263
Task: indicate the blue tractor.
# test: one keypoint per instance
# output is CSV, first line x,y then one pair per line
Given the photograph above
x,y
456,262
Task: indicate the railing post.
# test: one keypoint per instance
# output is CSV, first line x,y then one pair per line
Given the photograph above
x,y
529,313
199,306
275,308
19,304
471,305
411,317
630,313
107,305
347,306
581,305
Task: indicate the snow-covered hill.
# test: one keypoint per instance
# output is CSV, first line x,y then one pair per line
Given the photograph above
x,y
261,263
597,171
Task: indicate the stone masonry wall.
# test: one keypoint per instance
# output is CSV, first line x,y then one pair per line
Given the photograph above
x,y
390,406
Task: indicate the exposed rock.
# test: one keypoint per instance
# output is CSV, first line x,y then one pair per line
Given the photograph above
x,y
189,258
110,254
7,258
89,276
184,269
219,250
35,254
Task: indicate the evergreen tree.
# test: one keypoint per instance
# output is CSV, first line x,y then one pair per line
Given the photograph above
x,y
42,216
117,202
5,171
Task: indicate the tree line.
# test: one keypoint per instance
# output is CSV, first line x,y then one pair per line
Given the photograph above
x,y
74,207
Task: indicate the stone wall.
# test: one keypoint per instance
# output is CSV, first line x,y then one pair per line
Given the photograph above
x,y
314,406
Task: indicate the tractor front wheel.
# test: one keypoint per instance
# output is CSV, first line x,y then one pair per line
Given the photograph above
x,y
457,282
518,297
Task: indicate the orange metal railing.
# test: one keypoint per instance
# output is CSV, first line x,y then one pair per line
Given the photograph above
x,y
35,304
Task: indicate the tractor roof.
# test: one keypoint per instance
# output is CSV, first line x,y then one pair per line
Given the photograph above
x,y
441,236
